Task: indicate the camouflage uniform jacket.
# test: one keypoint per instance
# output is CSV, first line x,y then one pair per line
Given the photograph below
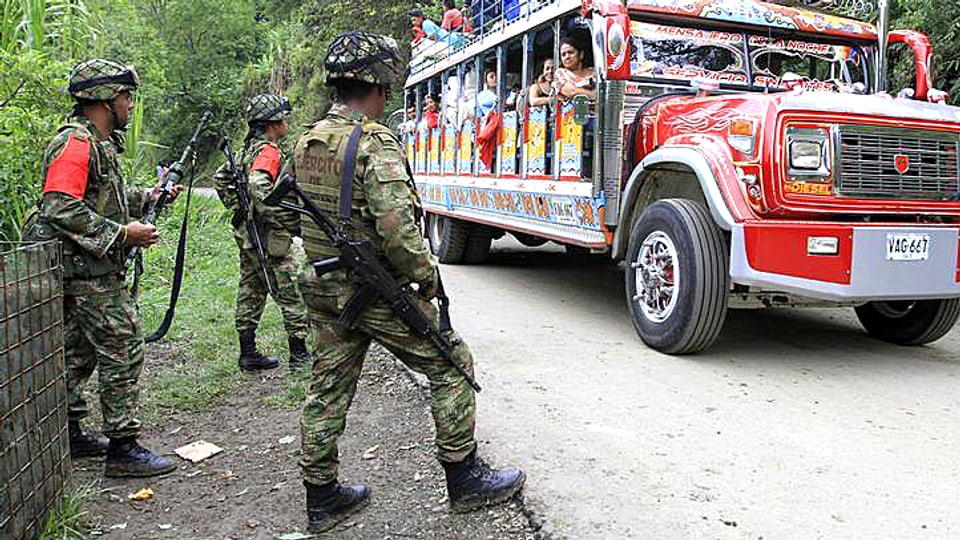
x,y
85,204
261,161
386,209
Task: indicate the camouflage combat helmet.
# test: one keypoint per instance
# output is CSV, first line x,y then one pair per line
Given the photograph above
x,y
102,80
266,108
364,57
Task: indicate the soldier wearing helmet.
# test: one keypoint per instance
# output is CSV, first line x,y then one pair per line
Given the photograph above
x,y
386,210
261,157
88,207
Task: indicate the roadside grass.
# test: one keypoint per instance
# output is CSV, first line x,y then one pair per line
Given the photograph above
x,y
202,341
67,522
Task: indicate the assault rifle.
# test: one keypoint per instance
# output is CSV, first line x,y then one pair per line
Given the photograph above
x,y
241,186
359,257
173,177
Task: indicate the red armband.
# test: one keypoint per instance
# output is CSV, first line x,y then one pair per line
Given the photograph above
x,y
268,161
68,172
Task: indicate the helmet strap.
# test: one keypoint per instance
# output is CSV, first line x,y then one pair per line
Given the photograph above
x,y
112,107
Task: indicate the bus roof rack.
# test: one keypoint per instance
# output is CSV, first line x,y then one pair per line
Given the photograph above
x,y
494,19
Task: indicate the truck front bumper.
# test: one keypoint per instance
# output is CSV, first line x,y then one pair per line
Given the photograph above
x,y
777,256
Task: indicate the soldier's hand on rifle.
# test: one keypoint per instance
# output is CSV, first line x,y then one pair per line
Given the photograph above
x,y
175,192
140,234
428,287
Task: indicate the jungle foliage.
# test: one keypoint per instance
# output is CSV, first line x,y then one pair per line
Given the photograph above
x,y
196,55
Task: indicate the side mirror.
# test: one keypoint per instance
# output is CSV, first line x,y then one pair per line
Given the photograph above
x,y
922,49
284,185
581,110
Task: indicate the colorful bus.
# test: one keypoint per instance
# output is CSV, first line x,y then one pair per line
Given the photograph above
x,y
731,153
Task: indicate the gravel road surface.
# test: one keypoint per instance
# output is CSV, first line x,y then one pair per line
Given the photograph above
x,y
794,425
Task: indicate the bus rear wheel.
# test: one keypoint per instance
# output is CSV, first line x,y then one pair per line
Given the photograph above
x,y
677,277
448,237
909,322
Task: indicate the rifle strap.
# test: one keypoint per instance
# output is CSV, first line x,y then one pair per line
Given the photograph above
x,y
444,302
177,269
346,174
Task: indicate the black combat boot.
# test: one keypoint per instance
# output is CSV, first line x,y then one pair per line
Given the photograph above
x,y
250,357
126,458
471,484
299,357
331,503
85,444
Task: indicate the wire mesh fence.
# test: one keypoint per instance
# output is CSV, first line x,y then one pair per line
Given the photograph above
x,y
34,443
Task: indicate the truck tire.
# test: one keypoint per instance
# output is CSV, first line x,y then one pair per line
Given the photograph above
x,y
677,277
909,322
448,237
478,244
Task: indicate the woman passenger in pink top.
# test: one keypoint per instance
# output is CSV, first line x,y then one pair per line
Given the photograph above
x,y
574,78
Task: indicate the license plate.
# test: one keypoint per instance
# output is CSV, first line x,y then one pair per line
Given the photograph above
x,y
908,247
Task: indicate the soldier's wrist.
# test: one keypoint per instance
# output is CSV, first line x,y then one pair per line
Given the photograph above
x,y
123,234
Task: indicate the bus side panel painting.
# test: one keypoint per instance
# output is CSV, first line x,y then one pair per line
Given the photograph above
x,y
465,161
450,150
508,148
570,137
422,143
536,144
569,209
434,154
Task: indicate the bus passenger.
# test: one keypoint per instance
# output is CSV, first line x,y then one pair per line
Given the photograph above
x,y
408,126
541,92
488,98
453,19
431,116
575,78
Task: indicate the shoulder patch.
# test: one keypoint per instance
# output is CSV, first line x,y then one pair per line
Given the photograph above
x,y
268,161
69,170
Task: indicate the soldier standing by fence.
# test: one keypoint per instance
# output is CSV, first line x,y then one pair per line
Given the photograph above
x,y
385,210
266,116
87,206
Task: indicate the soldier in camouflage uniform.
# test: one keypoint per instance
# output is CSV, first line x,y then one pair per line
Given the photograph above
x,y
266,116
386,210
87,206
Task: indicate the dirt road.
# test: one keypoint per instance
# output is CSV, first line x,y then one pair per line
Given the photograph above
x,y
795,425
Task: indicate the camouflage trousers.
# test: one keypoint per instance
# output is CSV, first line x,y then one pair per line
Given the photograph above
x,y
340,354
102,331
252,294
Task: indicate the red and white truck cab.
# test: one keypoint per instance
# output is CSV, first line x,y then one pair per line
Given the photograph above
x,y
747,155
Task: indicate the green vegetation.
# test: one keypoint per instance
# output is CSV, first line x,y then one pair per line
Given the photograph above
x,y
202,366
67,522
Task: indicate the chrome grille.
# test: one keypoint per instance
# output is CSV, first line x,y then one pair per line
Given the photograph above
x,y
867,163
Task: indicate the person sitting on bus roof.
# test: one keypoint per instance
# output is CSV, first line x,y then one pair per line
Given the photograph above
x,y
542,92
575,78
431,116
453,19
488,98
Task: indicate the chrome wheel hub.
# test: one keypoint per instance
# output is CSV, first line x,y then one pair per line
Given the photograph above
x,y
657,272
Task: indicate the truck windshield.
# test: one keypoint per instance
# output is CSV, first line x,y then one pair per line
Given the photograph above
x,y
819,66
672,52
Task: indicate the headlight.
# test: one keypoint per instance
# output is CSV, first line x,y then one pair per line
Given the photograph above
x,y
808,154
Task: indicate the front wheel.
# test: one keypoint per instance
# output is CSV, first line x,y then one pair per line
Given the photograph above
x,y
909,322
677,277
